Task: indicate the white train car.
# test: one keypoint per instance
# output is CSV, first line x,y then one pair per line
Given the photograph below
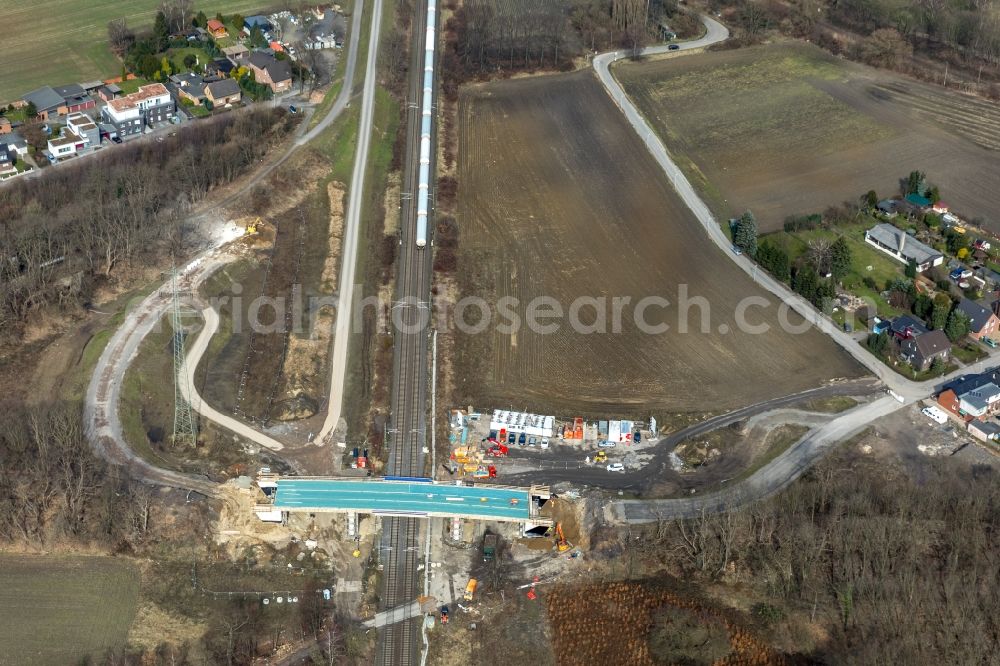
x,y
426,121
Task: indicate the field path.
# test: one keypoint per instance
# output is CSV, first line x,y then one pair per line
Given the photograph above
x,y
800,456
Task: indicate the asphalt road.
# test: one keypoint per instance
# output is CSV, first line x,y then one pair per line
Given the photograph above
x,y
578,472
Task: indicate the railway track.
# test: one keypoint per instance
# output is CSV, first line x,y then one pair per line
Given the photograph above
x,y
411,316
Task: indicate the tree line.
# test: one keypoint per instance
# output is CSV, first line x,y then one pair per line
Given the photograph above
x,y
86,223
896,571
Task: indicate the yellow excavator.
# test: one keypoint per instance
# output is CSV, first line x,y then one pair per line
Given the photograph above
x,y
601,456
252,226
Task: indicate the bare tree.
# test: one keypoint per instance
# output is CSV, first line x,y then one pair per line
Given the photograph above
x,y
120,37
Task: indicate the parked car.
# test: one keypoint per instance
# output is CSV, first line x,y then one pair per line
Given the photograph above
x,y
637,438
616,467
293,109
522,439
990,342
737,251
605,444
116,139
533,441
674,47
545,441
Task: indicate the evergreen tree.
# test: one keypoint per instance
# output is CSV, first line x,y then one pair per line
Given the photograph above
x,y
161,33
911,269
200,21
916,182
745,234
957,326
840,258
940,311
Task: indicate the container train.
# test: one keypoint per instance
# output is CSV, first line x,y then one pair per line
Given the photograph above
x,y
426,120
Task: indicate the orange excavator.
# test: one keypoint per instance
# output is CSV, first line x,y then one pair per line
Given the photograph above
x,y
561,542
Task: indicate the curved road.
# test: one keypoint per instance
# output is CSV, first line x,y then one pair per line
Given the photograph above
x,y
810,448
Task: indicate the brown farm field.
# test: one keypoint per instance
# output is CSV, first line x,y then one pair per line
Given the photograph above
x,y
63,609
559,198
786,129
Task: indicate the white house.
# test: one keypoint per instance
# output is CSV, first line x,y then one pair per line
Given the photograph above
x,y
902,247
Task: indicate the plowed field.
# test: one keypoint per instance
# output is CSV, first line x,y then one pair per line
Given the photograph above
x,y
559,198
786,129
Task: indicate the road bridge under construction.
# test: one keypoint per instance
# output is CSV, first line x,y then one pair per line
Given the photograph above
x,y
400,496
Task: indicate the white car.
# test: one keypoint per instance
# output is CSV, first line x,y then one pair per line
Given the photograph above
x,y
605,444
616,467
935,414
545,442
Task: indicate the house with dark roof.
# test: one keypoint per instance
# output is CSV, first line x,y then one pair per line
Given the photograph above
x,y
906,327
903,247
220,67
922,350
887,207
8,160
75,98
983,323
223,92
48,103
972,396
988,431
276,74
15,143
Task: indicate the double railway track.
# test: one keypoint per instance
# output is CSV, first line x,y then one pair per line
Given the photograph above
x,y
407,432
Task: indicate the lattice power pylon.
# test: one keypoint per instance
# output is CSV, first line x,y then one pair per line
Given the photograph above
x,y
185,426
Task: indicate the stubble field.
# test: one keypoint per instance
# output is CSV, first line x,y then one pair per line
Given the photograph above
x,y
559,198
787,129
59,610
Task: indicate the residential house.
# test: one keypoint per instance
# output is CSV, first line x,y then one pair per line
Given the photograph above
x,y
190,86
48,103
906,327
236,54
16,143
258,21
84,127
276,74
276,47
922,350
66,144
217,29
8,160
75,98
130,114
988,431
941,208
983,323
972,396
903,247
221,93
887,207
